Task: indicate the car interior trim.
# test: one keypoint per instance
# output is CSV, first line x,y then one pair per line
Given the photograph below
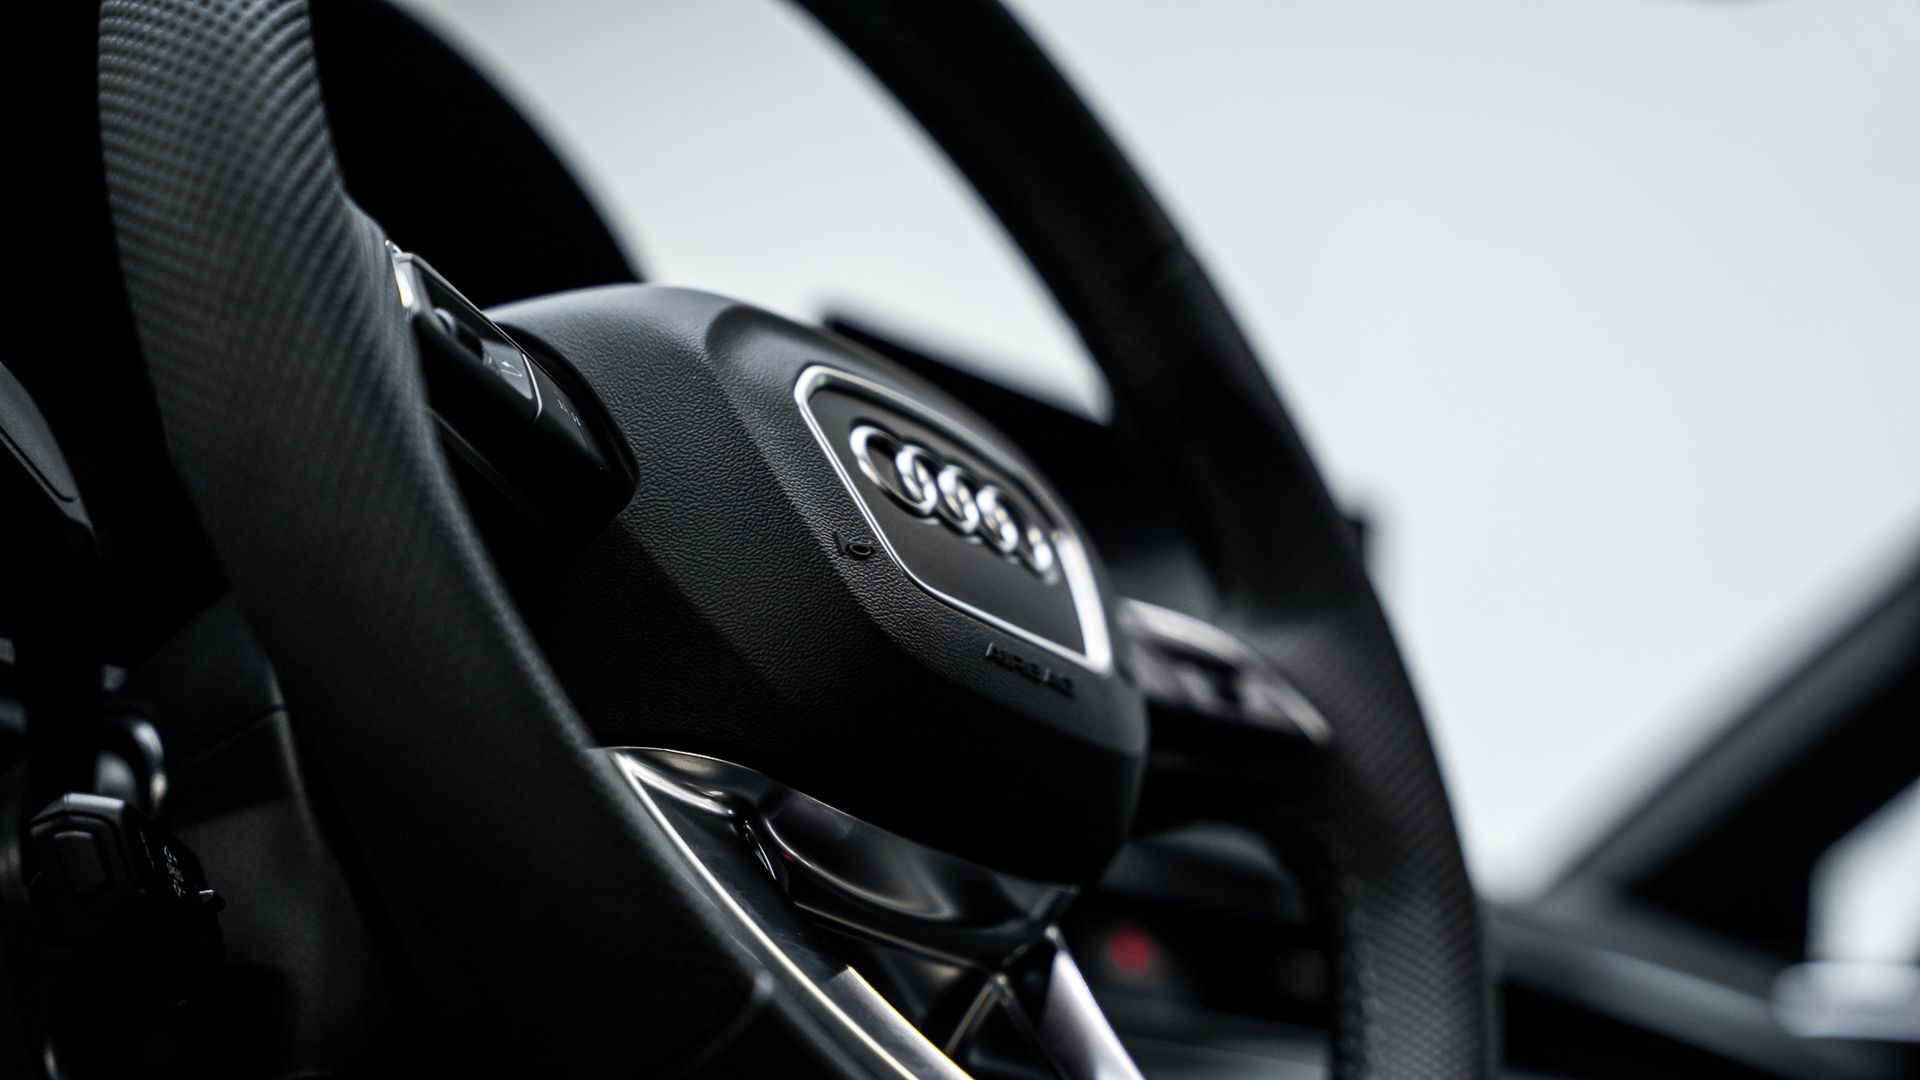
x,y
1069,555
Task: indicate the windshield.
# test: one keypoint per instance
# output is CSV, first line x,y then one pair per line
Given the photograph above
x,y
1601,312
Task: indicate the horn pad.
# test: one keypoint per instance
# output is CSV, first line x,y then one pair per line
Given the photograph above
x,y
835,574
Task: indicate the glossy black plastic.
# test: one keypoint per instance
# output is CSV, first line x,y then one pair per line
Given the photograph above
x,y
125,896
535,435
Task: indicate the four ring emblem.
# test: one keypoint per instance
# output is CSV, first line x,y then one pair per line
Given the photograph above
x,y
928,487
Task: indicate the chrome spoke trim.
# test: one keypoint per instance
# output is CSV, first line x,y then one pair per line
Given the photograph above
x,y
866,1024
801,884
1073,1030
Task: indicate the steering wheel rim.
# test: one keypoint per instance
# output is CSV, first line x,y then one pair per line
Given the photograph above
x,y
293,407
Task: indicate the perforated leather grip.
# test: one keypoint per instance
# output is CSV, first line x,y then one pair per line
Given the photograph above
x,y
1370,816
535,895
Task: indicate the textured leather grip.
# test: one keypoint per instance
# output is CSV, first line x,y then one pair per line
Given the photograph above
x,y
536,896
1369,818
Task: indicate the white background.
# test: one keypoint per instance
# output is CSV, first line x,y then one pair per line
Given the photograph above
x,y
1607,311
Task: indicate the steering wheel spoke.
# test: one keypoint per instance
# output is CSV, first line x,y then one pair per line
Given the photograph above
x,y
1217,705
929,951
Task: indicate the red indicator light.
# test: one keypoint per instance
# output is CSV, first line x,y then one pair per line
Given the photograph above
x,y
1131,951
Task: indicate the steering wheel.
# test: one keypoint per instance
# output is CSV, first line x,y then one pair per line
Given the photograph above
x,y
790,766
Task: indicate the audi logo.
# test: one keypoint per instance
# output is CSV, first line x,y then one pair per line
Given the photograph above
x,y
928,487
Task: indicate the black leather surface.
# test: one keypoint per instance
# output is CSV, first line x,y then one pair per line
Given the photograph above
x,y
1371,815
540,903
